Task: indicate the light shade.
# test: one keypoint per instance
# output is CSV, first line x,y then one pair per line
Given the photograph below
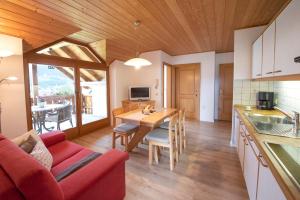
x,y
137,62
11,78
5,53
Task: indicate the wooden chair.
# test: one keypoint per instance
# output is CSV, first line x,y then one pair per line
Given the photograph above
x,y
181,130
124,131
167,138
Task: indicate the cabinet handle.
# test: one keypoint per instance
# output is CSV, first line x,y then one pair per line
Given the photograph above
x,y
262,161
242,134
258,74
245,141
269,73
278,71
249,137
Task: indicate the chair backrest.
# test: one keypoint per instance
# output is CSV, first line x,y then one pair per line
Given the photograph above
x,y
115,112
173,127
65,113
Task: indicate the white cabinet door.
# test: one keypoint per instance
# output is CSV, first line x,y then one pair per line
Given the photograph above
x,y
241,146
257,58
268,51
268,187
250,170
287,45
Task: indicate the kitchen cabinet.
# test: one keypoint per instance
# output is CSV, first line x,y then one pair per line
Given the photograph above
x,y
260,182
241,145
287,45
250,169
257,58
268,51
267,187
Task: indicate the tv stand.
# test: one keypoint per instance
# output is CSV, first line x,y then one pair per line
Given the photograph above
x,y
137,104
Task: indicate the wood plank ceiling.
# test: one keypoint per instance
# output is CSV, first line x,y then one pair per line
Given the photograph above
x,y
174,26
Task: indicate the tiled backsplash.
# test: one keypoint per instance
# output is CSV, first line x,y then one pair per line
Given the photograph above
x,y
287,93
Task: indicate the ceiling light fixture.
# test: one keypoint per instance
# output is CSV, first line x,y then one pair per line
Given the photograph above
x,y
5,53
10,78
137,62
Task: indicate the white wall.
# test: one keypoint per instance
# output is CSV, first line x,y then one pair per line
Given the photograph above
x,y
243,40
122,76
12,94
221,58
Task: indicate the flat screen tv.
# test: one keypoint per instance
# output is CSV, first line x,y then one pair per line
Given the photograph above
x,y
139,93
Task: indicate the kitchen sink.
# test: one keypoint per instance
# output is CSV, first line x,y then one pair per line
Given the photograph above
x,y
272,124
288,156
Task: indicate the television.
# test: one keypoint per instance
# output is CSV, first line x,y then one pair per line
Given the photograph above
x,y
139,93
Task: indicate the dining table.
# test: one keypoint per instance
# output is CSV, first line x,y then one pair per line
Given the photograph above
x,y
146,122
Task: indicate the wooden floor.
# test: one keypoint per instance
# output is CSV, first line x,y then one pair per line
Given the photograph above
x,y
209,168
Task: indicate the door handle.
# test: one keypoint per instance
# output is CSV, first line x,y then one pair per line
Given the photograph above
x,y
269,73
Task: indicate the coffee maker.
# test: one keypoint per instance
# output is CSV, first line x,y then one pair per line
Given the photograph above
x,y
265,100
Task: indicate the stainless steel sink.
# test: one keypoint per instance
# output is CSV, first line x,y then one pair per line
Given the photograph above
x,y
272,124
288,158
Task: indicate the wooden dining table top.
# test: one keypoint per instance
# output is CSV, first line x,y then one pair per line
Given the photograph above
x,y
137,117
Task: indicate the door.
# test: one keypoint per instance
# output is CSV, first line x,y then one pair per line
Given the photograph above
x,y
267,183
52,97
225,94
250,170
167,86
268,51
187,89
257,58
287,40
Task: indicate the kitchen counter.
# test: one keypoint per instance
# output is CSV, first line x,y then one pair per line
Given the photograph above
x,y
288,187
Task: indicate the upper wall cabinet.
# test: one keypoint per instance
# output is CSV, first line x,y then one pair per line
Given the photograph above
x,y
268,51
287,45
257,58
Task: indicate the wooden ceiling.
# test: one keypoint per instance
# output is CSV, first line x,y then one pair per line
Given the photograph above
x,y
174,26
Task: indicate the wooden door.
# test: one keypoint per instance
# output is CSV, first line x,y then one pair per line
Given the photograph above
x,y
226,89
187,89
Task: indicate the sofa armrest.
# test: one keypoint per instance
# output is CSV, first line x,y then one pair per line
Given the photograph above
x,y
52,138
103,178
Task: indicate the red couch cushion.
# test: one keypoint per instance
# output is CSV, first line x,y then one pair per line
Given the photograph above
x,y
63,150
33,180
1,137
70,161
53,137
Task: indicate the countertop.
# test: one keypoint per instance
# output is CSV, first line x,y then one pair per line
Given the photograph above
x,y
287,186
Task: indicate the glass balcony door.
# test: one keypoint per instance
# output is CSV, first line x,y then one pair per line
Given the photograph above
x,y
57,93
52,97
93,87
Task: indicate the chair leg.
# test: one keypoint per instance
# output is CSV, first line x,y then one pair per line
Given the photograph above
x,y
180,141
184,137
171,158
150,153
113,140
121,140
156,154
71,122
126,142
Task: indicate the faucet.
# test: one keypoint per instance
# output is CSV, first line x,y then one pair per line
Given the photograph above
x,y
295,117
296,120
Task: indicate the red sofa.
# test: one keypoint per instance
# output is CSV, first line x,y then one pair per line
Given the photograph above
x,y
22,177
